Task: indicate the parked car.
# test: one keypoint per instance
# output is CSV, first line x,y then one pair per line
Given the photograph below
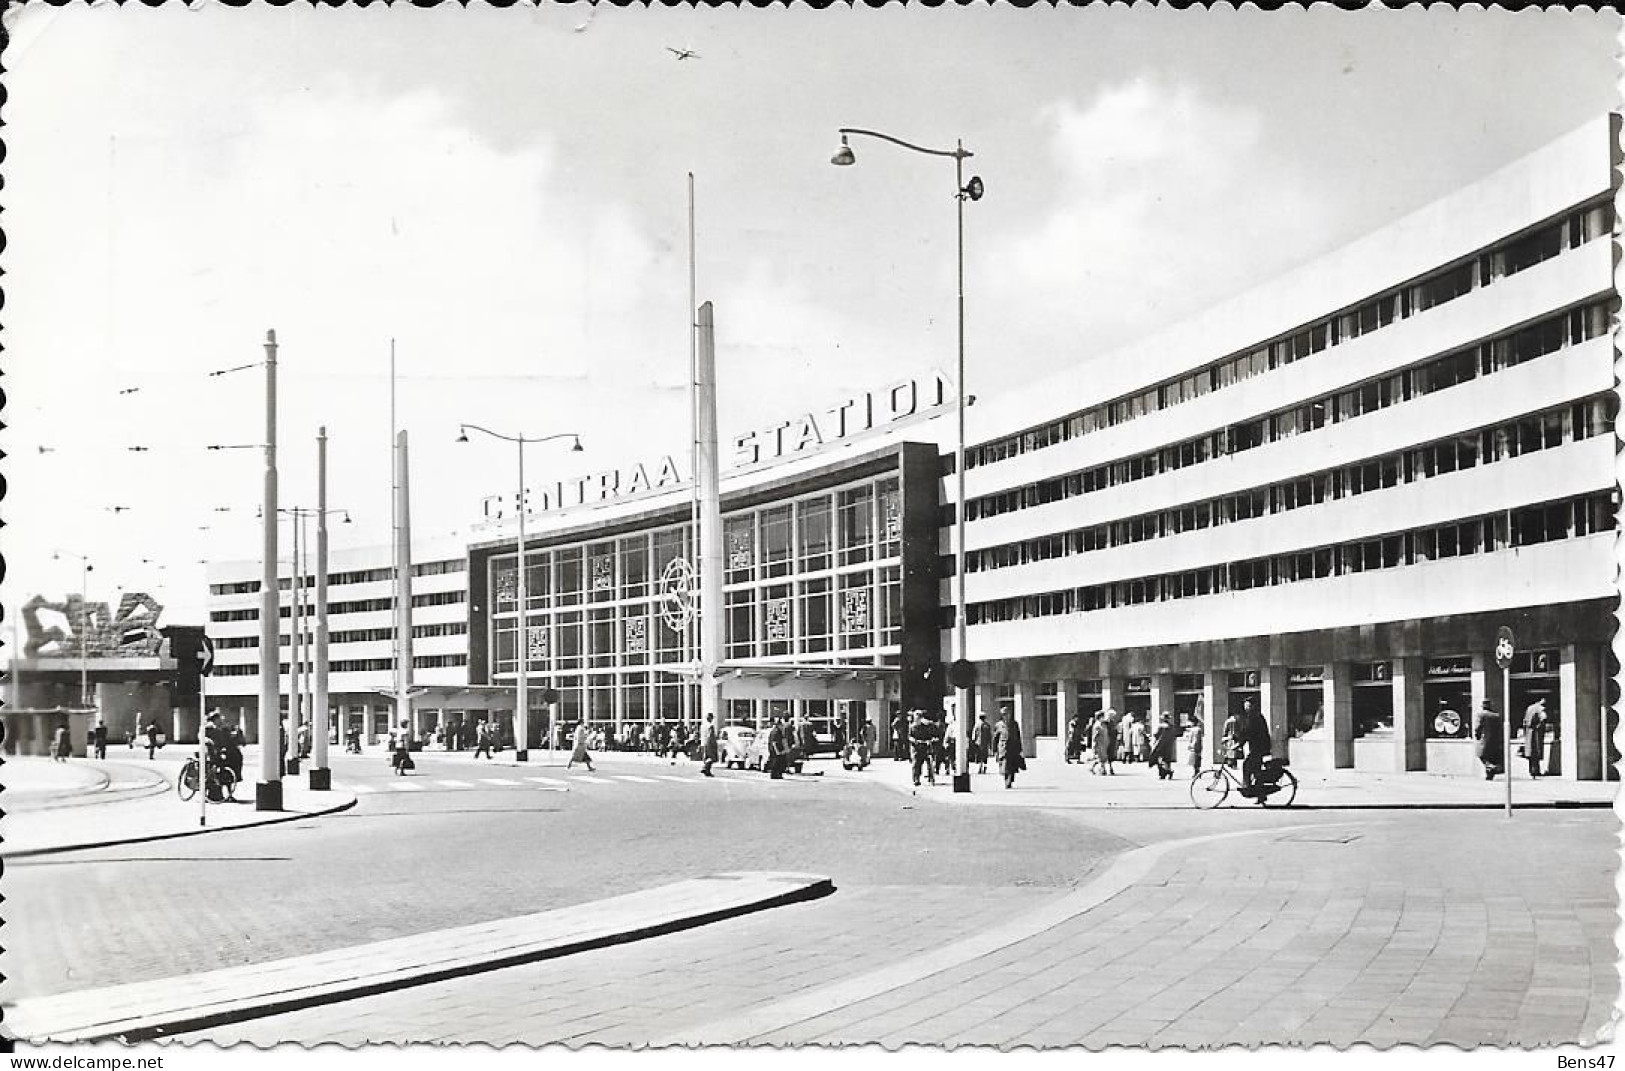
x,y
734,745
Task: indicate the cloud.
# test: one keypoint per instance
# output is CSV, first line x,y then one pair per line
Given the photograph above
x,y
1156,189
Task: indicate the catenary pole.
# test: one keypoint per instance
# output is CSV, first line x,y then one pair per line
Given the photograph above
x,y
268,793
321,777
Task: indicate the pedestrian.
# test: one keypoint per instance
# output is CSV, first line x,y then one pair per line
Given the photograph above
x,y
1076,742
401,751
152,739
1137,742
1104,741
984,743
98,740
778,749
1193,743
235,742
708,745
921,738
1120,741
579,748
866,744
482,739
808,742
1007,739
1162,749
900,745
1487,730
940,743
1230,739
304,741
60,747
1534,735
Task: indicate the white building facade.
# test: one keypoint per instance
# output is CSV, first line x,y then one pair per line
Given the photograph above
x,y
1326,495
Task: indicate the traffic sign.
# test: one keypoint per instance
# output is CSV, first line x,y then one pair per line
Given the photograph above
x,y
205,656
962,673
1505,646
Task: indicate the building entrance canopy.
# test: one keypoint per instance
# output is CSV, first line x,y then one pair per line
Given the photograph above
x,y
788,680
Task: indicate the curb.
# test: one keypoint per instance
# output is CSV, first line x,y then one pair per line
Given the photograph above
x,y
147,838
1038,803
283,986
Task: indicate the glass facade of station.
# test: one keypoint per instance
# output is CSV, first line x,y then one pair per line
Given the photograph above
x,y
814,579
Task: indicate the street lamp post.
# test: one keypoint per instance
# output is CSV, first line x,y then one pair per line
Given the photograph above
x,y
963,191
521,713
85,569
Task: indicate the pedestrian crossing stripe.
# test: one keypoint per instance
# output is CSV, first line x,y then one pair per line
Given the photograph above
x,y
454,784
679,780
362,790
592,780
406,786
545,780
497,781
639,780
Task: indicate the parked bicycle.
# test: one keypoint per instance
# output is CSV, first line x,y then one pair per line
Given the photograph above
x,y
1211,786
186,784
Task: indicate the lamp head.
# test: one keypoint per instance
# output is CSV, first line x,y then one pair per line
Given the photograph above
x,y
843,156
462,434
576,449
973,189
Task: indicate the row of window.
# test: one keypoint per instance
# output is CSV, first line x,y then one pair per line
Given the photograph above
x,y
842,617
354,665
362,576
360,635
358,606
1441,373
843,527
1447,284
1540,431
1562,519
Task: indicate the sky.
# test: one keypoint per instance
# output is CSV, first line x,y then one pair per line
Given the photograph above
x,y
503,193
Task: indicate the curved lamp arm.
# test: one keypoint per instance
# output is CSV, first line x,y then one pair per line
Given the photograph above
x,y
464,429
959,154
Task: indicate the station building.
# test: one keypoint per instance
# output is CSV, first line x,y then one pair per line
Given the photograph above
x,y
1324,496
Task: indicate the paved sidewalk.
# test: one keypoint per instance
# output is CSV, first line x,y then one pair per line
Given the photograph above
x,y
1135,786
36,783
1378,929
142,1010
100,803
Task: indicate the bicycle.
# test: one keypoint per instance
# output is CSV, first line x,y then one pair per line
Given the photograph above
x,y
1211,786
186,784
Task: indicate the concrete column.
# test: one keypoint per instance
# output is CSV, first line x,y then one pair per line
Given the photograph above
x,y
1114,694
1486,684
875,710
1410,728
1027,716
1066,705
1337,699
176,725
1272,682
1162,700
1215,704
1582,740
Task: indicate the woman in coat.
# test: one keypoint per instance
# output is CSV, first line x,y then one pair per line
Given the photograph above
x,y
1162,749
1104,740
1007,741
579,744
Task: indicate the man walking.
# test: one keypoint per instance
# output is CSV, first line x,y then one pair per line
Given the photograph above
x,y
482,739
98,740
708,745
777,750
921,736
899,739
1534,735
984,742
1488,732
1007,738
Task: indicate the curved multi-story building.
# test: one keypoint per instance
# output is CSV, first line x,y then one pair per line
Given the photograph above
x,y
1328,494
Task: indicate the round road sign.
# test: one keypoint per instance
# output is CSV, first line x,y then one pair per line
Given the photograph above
x,y
1505,646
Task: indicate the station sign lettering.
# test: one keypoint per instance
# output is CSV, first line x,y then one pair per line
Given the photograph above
x,y
854,416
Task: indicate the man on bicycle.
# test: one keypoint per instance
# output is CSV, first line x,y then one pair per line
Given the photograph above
x,y
1253,732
